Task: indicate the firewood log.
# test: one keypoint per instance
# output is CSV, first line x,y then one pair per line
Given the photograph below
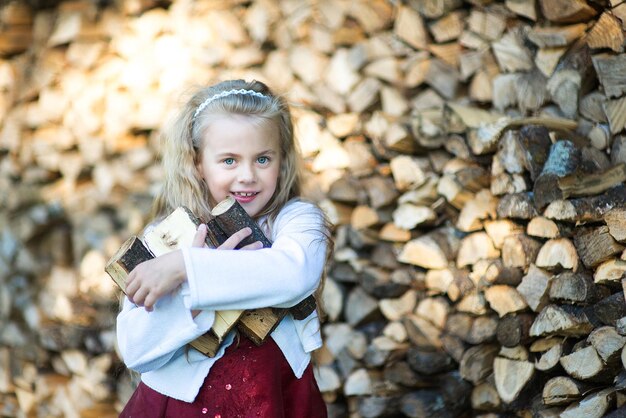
x,y
608,344
504,299
511,377
478,362
610,271
563,160
615,220
590,208
592,406
517,206
564,11
609,69
576,288
551,350
560,320
513,329
586,364
558,253
563,390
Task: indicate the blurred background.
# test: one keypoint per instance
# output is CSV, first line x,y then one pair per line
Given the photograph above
x,y
470,153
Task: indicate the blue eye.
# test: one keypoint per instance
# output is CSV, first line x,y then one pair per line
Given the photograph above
x,y
263,160
229,161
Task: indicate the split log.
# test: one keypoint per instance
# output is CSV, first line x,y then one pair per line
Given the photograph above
x,y
561,320
586,364
593,406
591,184
586,209
517,206
504,299
616,221
513,329
608,344
558,253
595,246
563,159
520,251
564,11
551,350
610,271
535,287
606,33
478,362
610,70
576,288
563,390
511,377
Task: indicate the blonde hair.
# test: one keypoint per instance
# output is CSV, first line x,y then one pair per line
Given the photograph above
x,y
182,148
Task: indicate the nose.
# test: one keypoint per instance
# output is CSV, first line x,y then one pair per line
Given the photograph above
x,y
247,173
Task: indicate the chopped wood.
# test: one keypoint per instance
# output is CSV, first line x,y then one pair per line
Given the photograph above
x,y
517,206
610,70
606,33
499,230
520,251
513,329
476,246
478,362
615,221
608,343
562,390
555,36
504,299
558,253
595,246
585,364
560,320
542,227
574,288
535,287
563,159
511,377
524,8
614,111
593,406
583,209
610,271
409,26
551,353
590,184
564,11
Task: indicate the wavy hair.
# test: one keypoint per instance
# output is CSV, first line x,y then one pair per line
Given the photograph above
x,y
182,147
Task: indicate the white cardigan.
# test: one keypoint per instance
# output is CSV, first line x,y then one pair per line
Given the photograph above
x,y
153,343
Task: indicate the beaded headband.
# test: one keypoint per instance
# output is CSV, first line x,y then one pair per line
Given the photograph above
x,y
226,94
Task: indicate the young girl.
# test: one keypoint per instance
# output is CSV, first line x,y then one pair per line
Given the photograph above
x,y
232,139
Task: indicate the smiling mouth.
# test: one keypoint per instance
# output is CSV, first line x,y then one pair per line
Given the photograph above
x,y
245,194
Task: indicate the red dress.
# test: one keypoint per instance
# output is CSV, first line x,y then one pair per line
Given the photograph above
x,y
249,381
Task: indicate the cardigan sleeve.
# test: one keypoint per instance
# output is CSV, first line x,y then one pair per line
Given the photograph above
x,y
280,276
148,340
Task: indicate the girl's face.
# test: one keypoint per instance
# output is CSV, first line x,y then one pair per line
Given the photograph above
x,y
241,158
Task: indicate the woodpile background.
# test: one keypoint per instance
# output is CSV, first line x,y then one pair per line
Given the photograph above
x,y
470,152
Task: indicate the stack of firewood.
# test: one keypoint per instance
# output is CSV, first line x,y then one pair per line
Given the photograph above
x,y
471,154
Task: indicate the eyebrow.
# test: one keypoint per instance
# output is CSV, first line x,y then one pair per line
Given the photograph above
x,y
232,154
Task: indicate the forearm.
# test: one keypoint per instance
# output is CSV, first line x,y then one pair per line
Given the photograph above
x,y
279,277
147,340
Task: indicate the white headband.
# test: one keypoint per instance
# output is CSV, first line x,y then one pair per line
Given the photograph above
x,y
226,94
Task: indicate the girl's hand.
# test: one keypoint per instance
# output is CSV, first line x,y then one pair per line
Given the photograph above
x,y
153,279
237,237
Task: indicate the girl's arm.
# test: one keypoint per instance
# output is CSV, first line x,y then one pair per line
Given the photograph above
x,y
280,276
148,340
